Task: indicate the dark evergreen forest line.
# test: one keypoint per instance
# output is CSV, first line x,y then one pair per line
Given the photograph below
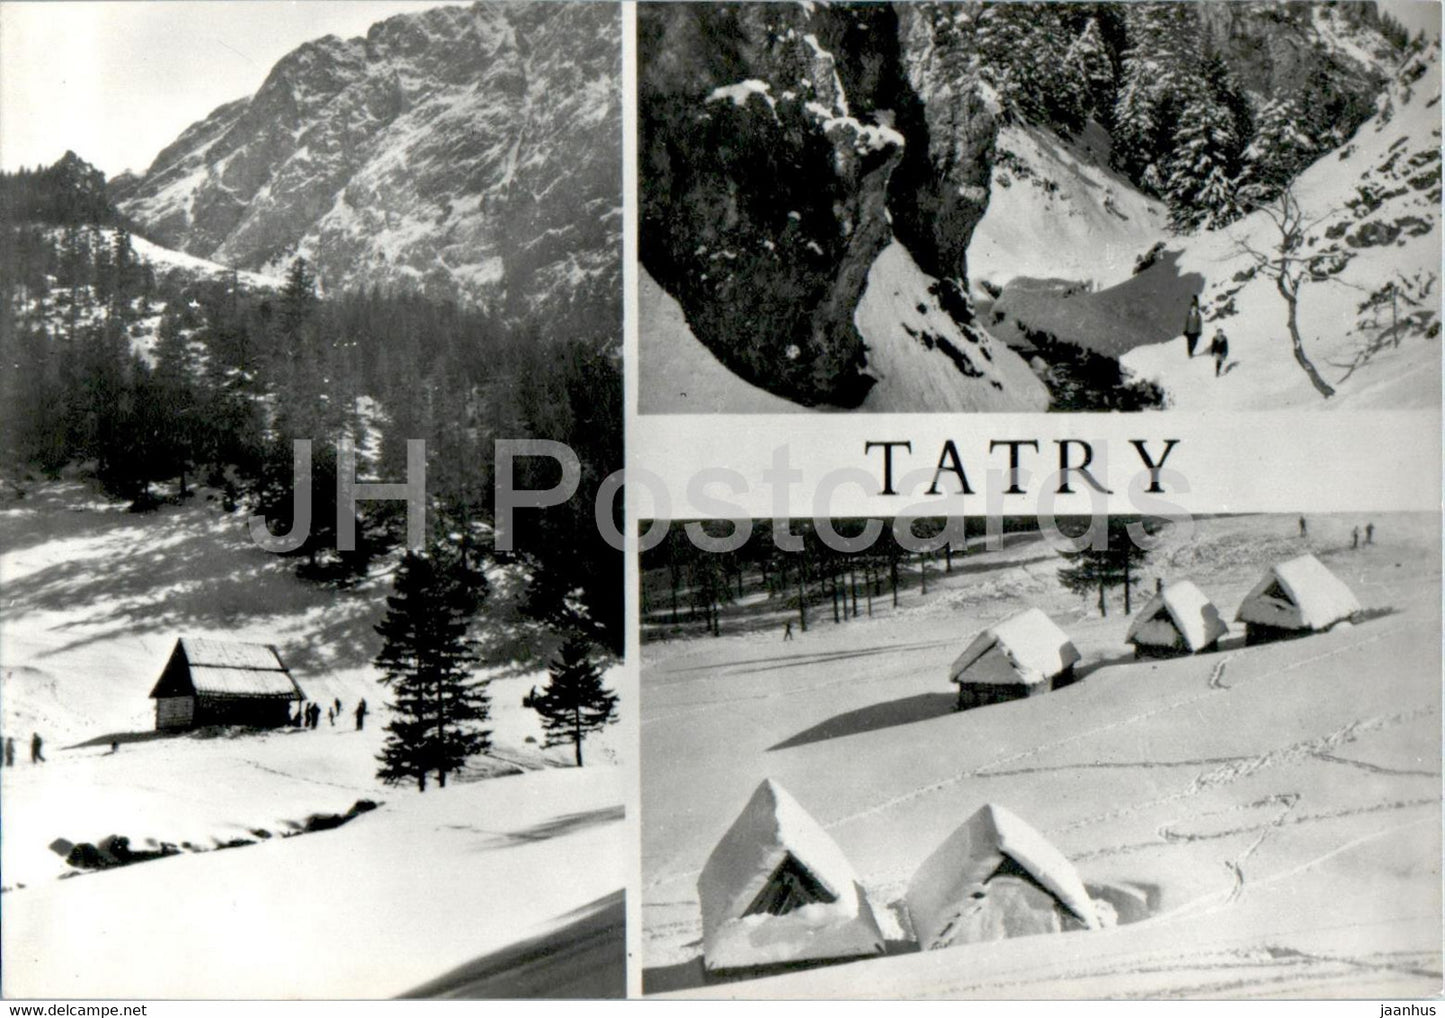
x,y
152,380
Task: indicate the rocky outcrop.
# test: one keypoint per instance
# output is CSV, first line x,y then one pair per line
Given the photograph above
x,y
470,152
784,146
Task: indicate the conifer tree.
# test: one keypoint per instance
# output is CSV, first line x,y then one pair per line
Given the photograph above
x,y
438,706
574,704
1114,565
1200,187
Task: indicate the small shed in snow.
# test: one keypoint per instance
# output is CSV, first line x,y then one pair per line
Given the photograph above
x,y
216,682
1178,620
778,890
1023,655
995,877
1295,598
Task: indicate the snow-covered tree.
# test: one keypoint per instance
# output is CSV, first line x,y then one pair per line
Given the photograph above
x,y
1087,62
1115,565
1280,149
574,704
438,706
1200,186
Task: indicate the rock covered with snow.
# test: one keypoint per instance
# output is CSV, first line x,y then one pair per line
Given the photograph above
x,y
460,152
778,889
995,877
1299,594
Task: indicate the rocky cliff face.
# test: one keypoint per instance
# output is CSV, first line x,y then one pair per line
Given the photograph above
x,y
783,147
464,152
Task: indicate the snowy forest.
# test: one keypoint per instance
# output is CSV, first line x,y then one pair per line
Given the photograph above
x,y
1182,124
154,379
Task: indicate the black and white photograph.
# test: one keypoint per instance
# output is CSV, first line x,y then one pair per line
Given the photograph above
x,y
303,698
1020,207
1090,758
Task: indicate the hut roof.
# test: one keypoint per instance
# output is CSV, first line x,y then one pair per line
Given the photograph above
x,y
1034,645
1299,594
1184,604
972,854
777,888
223,668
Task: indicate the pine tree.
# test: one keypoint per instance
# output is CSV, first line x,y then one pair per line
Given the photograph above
x,y
1088,63
1280,149
574,704
1115,565
1200,187
426,657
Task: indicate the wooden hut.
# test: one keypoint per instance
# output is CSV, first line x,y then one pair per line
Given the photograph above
x,y
1295,598
777,890
992,878
1024,655
1177,621
216,682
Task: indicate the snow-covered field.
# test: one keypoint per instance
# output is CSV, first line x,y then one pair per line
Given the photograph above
x,y
1266,820
94,598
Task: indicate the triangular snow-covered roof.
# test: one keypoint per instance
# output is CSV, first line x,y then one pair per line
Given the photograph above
x,y
775,836
1299,594
1035,647
950,879
1183,606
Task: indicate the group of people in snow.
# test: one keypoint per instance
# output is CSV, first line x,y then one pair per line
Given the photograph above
x,y
308,715
37,746
1194,328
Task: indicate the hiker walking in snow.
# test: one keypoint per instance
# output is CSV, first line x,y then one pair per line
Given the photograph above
x,y
331,717
337,704
1303,531
36,743
1193,326
10,751
1369,533
1355,538
1220,348
361,715
788,631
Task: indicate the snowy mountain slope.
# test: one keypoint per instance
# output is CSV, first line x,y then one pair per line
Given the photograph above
x,y
1377,202
1264,820
1056,211
471,152
398,897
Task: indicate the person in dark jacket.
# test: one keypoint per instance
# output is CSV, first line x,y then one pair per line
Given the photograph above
x,y
1193,326
361,715
10,752
1220,349
36,743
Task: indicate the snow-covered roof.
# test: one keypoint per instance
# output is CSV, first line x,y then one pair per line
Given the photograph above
x,y
946,882
1299,594
1034,645
771,828
223,668
202,651
1192,615
243,682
